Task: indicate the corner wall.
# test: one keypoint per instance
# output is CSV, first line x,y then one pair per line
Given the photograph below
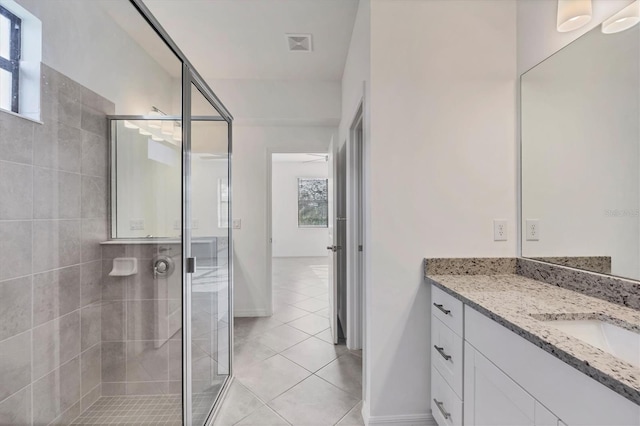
x,y
442,162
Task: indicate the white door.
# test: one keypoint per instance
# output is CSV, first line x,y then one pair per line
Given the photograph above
x,y
332,247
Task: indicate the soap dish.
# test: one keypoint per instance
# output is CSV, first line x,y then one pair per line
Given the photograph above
x,y
124,267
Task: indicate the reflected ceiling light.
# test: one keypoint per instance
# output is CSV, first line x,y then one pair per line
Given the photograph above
x,y
167,128
573,14
129,125
144,132
156,138
623,20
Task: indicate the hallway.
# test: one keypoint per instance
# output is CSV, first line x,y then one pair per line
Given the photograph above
x,y
287,371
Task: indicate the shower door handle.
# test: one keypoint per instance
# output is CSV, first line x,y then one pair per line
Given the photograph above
x,y
191,265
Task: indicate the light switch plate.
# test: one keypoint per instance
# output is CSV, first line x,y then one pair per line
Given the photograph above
x,y
237,223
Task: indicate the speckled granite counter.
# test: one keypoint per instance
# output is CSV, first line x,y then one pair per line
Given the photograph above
x,y
521,304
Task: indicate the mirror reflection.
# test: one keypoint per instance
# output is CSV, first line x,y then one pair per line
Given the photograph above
x,y
580,155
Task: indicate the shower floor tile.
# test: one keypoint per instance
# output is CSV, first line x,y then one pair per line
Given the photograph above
x,y
145,410
134,410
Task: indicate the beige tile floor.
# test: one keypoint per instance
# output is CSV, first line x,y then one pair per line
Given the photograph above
x,y
287,371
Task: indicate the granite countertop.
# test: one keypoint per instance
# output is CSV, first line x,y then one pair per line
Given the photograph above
x,y
521,304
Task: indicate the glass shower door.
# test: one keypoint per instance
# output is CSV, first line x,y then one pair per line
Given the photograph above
x,y
207,247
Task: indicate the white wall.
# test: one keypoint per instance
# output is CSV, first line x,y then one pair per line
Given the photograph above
x,y
83,42
580,151
356,76
251,147
356,82
289,240
442,150
269,116
280,103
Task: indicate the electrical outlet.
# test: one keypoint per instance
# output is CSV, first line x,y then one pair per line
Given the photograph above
x,y
499,230
136,224
533,229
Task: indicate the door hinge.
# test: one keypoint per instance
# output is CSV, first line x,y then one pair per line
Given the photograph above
x,y
191,265
360,247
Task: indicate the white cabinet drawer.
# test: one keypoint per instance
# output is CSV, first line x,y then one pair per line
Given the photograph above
x,y
446,407
446,354
447,309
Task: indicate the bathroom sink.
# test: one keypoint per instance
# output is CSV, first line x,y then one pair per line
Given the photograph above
x,y
617,341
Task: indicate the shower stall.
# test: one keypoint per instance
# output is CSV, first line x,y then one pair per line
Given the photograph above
x,y
115,210
170,210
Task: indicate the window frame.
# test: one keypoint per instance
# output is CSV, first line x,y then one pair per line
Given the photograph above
x,y
12,64
303,226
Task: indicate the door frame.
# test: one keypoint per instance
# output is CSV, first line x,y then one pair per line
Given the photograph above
x,y
356,202
269,218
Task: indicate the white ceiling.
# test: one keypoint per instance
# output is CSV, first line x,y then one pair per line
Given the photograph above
x,y
245,39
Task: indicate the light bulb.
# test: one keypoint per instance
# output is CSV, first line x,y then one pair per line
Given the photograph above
x,y
623,20
573,14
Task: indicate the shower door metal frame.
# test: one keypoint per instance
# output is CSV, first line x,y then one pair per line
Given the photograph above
x,y
191,76
189,81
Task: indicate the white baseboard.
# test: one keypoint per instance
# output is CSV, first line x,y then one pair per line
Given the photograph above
x,y
251,313
425,419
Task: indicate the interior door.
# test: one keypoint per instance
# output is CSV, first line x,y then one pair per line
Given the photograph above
x,y
333,247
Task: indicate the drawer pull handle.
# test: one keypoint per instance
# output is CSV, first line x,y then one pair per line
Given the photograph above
x,y
439,306
440,406
441,352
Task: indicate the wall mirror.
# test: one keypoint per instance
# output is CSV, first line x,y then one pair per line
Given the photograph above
x,y
581,153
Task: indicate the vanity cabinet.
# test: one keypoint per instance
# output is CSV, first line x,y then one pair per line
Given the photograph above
x,y
493,398
486,375
447,358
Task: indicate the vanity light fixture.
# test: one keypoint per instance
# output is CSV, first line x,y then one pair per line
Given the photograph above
x,y
144,132
573,14
623,20
130,125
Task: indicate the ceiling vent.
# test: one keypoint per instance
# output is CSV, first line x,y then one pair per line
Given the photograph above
x,y
299,42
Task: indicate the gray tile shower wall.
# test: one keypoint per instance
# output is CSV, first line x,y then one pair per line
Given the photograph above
x,y
53,198
141,323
